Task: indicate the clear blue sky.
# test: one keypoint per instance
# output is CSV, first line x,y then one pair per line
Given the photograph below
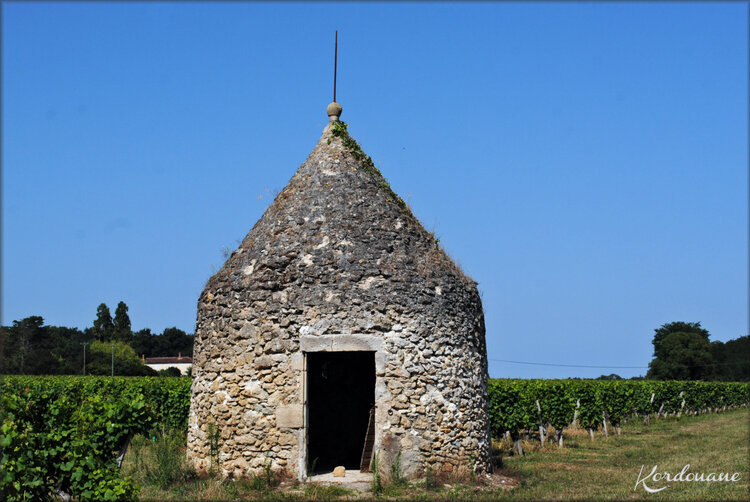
x,y
586,163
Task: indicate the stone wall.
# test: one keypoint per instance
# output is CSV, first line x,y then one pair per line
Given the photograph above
x,y
334,264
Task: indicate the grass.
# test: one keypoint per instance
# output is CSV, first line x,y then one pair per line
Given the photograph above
x,y
158,460
318,491
606,468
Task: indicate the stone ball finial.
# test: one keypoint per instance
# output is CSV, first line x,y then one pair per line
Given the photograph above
x,y
334,111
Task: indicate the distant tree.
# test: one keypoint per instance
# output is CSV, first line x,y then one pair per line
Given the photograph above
x,y
682,351
4,341
175,341
67,349
24,342
682,356
121,324
738,359
675,327
28,335
170,372
29,347
170,343
611,376
732,359
103,325
126,361
142,342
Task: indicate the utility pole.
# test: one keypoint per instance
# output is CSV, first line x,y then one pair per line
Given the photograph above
x,y
84,357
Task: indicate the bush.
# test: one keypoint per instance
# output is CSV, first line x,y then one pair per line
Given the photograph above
x,y
167,464
64,433
170,372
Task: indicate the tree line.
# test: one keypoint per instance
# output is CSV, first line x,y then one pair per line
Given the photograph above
x,y
109,346
683,351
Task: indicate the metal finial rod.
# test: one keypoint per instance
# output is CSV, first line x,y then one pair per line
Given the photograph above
x,y
335,63
334,109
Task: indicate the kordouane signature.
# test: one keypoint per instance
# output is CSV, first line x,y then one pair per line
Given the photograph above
x,y
683,476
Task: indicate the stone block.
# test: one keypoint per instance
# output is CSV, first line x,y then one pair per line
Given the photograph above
x,y
381,360
290,416
339,472
264,362
340,343
312,343
343,343
297,362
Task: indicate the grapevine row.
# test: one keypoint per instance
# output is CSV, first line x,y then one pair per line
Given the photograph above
x,y
62,435
528,405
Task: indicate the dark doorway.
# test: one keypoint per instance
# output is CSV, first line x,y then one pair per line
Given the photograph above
x,y
340,393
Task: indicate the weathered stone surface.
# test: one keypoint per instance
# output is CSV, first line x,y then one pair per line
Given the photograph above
x,y
340,343
290,416
336,263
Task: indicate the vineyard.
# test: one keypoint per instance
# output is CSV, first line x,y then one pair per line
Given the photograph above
x,y
67,435
64,434
520,406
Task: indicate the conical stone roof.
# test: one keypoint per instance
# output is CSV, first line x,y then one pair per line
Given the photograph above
x,y
338,235
339,258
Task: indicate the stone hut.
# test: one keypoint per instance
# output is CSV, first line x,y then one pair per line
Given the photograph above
x,y
337,329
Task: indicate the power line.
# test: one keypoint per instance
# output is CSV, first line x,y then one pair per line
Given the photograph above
x,y
569,365
609,367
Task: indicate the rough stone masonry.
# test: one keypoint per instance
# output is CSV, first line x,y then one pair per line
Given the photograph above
x,y
338,263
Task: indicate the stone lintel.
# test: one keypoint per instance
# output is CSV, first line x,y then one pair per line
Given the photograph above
x,y
340,343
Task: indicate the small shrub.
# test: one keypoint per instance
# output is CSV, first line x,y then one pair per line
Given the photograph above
x,y
213,445
311,466
396,475
430,479
377,482
269,476
258,483
168,466
395,490
326,492
231,489
472,466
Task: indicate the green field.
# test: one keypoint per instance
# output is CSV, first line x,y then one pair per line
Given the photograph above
x,y
64,433
605,468
608,468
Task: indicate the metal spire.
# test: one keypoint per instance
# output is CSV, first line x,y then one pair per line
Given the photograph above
x,y
334,109
335,63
